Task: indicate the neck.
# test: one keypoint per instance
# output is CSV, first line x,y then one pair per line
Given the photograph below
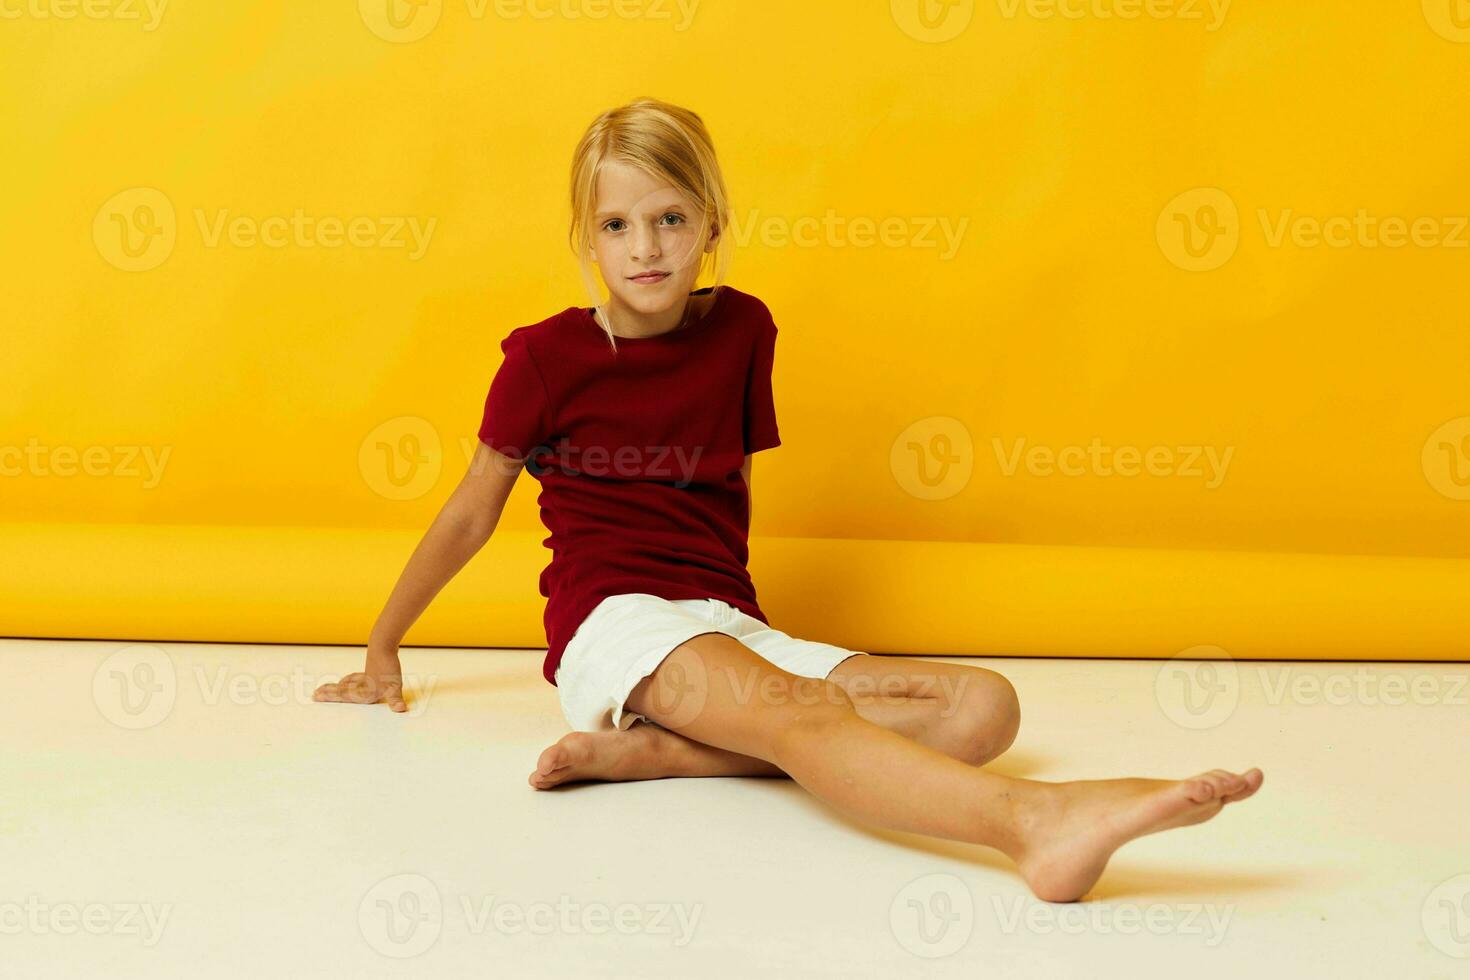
x,y
628,322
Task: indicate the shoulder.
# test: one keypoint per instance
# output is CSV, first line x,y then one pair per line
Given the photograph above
x,y
538,339
750,308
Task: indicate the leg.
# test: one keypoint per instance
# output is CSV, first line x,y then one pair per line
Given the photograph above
x,y
966,712
643,751
715,690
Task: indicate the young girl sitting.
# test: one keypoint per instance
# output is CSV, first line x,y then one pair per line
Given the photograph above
x,y
639,416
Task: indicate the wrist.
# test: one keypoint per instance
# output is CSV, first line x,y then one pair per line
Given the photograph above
x,y
382,655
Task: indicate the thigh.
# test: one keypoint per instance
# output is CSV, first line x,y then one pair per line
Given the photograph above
x,y
716,690
807,658
871,676
932,701
620,642
944,705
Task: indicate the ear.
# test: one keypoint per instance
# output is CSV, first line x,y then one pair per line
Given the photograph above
x,y
714,237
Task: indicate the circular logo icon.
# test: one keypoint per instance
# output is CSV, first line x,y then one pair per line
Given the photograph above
x,y
136,687
933,21
400,21
1450,19
401,459
1199,229
1446,917
682,689
136,229
933,916
1198,688
401,916
1446,459
934,458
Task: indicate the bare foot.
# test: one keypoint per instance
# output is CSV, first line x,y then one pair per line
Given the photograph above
x,y
644,751
613,756
1068,838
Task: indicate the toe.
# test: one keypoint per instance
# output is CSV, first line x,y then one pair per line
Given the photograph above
x,y
1199,789
549,760
1250,781
1223,781
1227,781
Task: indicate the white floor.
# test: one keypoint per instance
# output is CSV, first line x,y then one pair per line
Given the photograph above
x,y
185,810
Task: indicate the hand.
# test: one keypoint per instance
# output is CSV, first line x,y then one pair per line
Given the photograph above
x,y
380,682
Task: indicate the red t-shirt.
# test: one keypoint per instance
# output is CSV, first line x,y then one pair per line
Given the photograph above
x,y
638,454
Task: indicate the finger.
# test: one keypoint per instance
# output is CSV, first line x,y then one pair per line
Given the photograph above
x,y
393,695
362,694
327,692
376,689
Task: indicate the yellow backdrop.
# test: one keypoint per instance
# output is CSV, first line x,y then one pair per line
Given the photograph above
x,y
1101,281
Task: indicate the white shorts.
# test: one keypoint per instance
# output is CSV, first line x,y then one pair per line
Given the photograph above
x,y
627,636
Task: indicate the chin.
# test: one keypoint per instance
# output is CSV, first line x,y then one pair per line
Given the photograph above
x,y
651,301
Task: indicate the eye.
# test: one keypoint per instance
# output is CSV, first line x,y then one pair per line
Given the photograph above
x,y
677,219
613,224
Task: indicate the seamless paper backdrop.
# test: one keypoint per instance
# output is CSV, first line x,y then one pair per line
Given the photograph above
x,y
1183,275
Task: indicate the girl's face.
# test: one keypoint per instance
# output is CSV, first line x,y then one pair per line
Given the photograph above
x,y
645,241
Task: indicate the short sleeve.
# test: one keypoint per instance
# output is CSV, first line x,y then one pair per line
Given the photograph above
x,y
761,431
517,415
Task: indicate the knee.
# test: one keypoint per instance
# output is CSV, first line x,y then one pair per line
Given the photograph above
x,y
986,718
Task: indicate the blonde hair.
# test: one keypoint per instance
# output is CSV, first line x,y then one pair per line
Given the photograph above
x,y
667,141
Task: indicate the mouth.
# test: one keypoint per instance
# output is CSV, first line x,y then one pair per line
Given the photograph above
x,y
649,278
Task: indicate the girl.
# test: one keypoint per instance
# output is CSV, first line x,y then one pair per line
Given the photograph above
x,y
639,416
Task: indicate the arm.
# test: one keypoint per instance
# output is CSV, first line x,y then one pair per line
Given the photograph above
x,y
460,530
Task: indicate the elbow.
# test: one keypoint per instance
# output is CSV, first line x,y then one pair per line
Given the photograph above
x,y
479,527
473,525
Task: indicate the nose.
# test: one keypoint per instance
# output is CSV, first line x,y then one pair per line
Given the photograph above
x,y
645,242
